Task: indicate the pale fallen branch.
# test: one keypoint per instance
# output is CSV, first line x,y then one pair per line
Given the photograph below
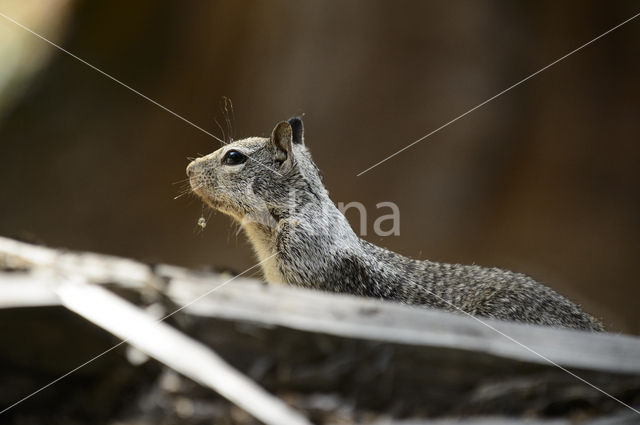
x,y
175,350
314,311
94,267
361,318
269,331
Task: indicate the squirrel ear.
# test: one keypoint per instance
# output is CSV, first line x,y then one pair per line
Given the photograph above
x,y
282,138
298,130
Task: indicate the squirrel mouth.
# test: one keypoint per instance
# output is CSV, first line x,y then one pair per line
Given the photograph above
x,y
204,189
197,185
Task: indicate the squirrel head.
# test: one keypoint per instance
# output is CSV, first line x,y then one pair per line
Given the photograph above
x,y
258,178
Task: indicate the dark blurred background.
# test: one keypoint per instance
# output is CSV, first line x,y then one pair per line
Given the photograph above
x,y
543,180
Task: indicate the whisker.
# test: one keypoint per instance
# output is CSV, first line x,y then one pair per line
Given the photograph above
x,y
233,118
188,191
191,190
185,187
227,118
186,180
221,129
182,194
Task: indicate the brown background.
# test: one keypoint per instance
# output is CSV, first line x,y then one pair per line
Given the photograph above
x,y
543,180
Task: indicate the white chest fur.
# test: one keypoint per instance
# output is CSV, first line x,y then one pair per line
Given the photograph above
x,y
264,247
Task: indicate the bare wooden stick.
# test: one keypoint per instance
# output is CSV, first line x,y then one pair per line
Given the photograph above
x,y
314,311
354,317
27,290
94,267
176,350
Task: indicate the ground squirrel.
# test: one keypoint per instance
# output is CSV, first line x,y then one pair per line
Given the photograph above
x,y
272,187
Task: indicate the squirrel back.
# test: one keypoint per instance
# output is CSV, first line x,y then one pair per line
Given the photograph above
x,y
272,187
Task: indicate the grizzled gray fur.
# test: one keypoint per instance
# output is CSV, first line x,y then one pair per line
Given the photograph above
x,y
272,187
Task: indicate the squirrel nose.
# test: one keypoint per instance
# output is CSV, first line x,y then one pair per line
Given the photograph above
x,y
190,169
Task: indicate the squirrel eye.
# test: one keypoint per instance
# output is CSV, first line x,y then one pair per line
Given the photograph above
x,y
234,158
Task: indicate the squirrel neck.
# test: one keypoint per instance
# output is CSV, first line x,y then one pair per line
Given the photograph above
x,y
297,245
